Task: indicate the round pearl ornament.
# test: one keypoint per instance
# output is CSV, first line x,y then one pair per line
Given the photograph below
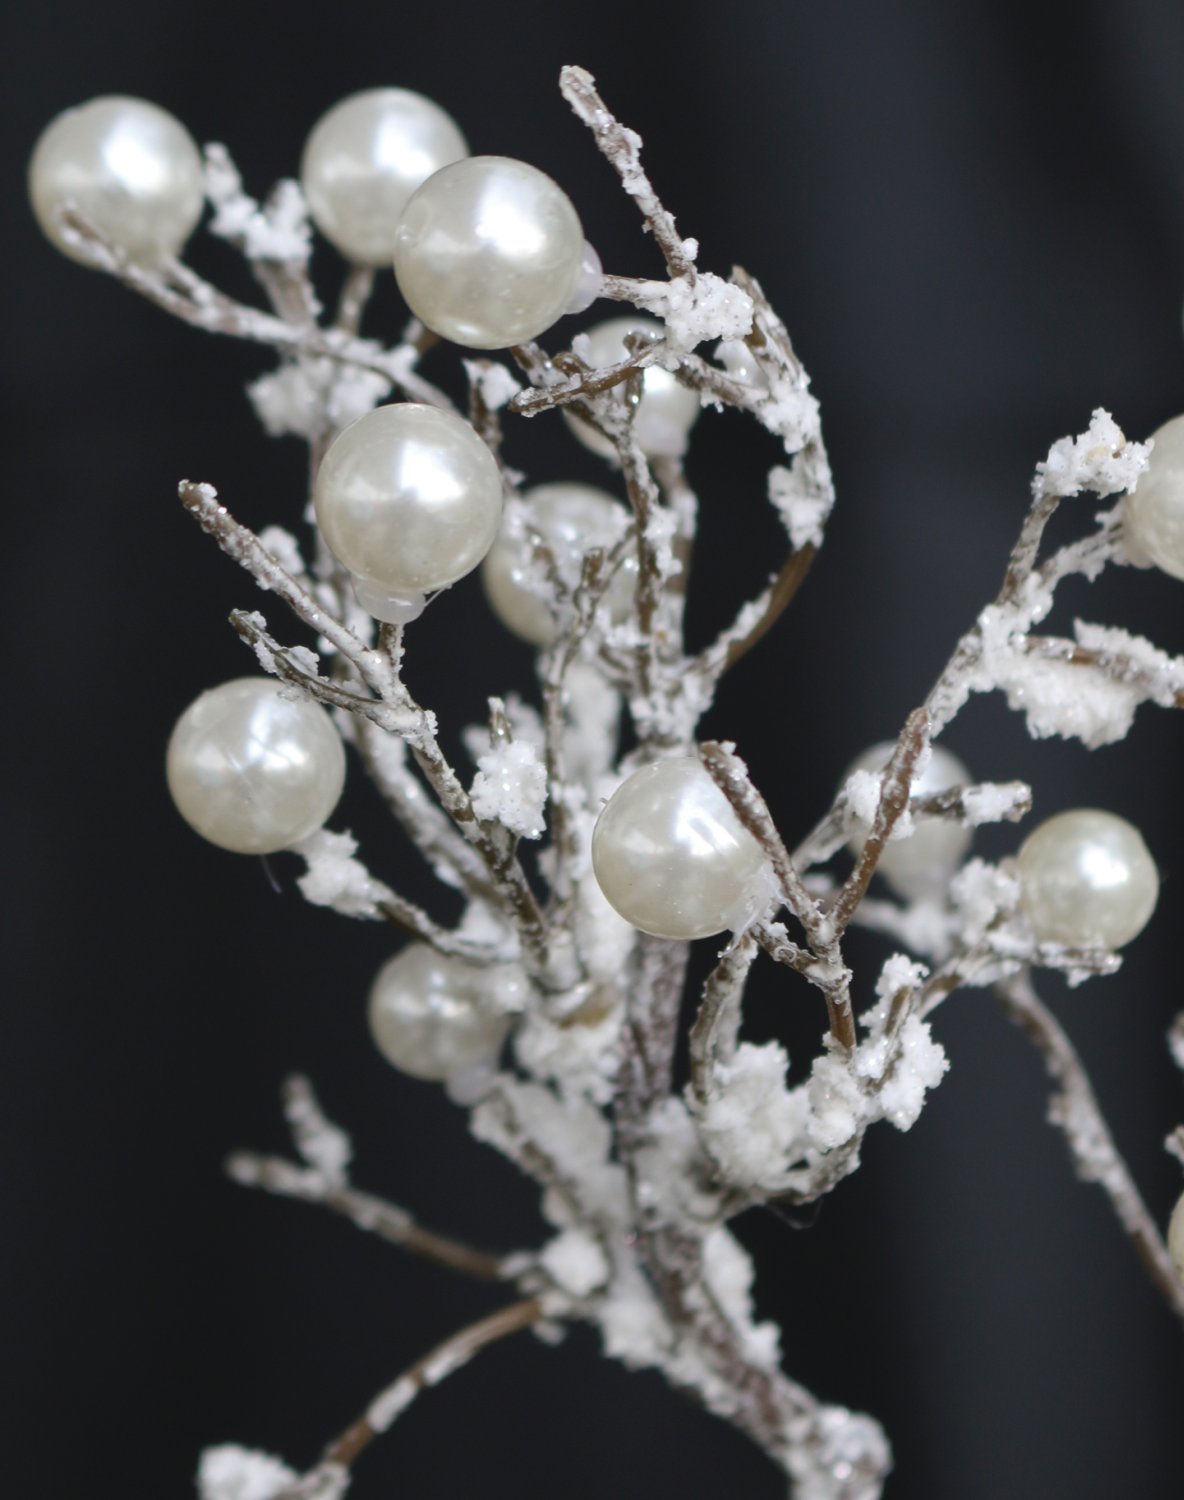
x,y
922,863
489,252
1087,880
667,410
1154,509
254,771
1176,1239
409,499
438,1018
127,166
363,160
570,519
672,858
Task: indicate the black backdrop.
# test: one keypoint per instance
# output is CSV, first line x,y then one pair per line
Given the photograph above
x,y
972,217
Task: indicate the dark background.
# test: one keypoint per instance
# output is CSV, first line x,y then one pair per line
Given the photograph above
x,y
972,218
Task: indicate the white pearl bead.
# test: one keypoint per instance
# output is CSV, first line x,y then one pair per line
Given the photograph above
x,y
128,167
921,864
589,282
409,498
671,856
435,1017
570,519
1155,508
1087,880
488,252
1176,1239
363,160
254,771
667,410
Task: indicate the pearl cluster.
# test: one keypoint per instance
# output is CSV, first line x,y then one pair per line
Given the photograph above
x,y
487,251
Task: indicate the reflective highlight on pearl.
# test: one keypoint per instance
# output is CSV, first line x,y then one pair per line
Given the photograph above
x,y
1087,880
922,863
363,160
253,771
671,856
128,167
409,498
1155,507
667,410
570,519
435,1017
488,252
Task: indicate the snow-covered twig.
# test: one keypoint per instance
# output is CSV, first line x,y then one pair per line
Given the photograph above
x,y
390,1403
323,1180
1074,1110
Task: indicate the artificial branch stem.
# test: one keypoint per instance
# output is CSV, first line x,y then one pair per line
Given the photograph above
x,y
1076,1113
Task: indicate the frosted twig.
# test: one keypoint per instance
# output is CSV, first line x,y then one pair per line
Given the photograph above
x,y
375,1215
178,290
1074,1110
622,147
326,1150
240,543
390,1404
828,972
895,782
717,1021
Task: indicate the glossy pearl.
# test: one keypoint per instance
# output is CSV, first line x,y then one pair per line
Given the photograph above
x,y
1176,1239
671,856
570,519
1087,880
409,499
489,252
363,160
922,863
254,771
1155,507
128,167
430,1015
667,410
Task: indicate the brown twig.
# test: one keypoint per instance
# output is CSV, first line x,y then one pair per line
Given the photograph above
x,y
1075,1111
430,1370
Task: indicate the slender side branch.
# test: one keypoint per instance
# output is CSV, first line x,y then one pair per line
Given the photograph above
x,y
622,147
713,1034
894,799
827,971
1075,1111
390,1404
273,1174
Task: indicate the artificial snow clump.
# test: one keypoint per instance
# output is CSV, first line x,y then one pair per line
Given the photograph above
x,y
232,1473
510,787
335,878
836,1100
803,508
1100,459
575,1262
751,1123
696,312
919,1063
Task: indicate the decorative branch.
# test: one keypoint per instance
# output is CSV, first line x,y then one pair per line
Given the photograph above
x,y
390,1404
1074,1110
